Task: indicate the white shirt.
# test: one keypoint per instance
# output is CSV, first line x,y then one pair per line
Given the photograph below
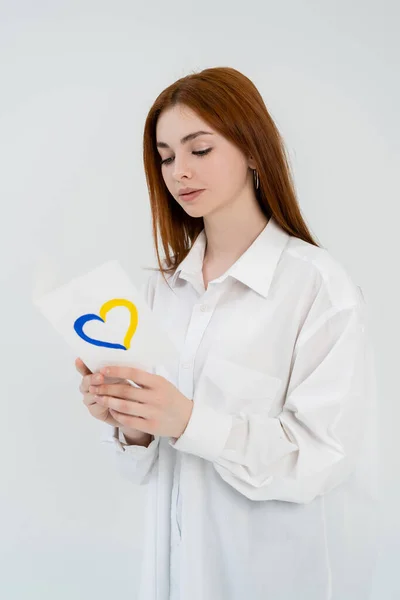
x,y
271,491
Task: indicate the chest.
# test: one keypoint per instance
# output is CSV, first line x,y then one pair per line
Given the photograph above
x,y
234,345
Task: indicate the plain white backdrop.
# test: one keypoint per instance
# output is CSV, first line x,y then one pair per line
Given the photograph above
x,y
76,82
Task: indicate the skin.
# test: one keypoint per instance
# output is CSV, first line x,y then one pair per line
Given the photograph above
x,y
231,213
232,218
159,409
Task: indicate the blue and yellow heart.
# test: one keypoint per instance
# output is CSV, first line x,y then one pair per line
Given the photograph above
x,y
107,306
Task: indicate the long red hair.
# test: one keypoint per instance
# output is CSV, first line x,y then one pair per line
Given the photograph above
x,y
231,104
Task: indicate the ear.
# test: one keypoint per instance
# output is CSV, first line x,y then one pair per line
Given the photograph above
x,y
251,163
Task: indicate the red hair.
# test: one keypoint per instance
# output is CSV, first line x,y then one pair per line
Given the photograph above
x,y
231,104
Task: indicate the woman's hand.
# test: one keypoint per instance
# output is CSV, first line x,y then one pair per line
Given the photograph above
x,y
159,409
96,410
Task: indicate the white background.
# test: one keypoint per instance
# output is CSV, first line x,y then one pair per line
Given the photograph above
x,y
76,82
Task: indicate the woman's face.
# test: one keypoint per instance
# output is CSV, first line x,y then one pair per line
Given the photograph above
x,y
221,169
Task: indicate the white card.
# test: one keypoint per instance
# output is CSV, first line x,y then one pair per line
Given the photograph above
x,y
107,322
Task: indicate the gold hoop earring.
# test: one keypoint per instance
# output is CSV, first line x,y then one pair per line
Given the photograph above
x,y
256,179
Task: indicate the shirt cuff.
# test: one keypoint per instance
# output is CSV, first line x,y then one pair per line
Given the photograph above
x,y
118,440
206,433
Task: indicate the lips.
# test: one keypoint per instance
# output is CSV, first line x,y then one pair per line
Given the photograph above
x,y
189,191
191,195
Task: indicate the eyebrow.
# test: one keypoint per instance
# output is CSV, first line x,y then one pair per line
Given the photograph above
x,y
186,138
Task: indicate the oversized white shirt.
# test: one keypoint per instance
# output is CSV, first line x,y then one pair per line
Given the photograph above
x,y
271,492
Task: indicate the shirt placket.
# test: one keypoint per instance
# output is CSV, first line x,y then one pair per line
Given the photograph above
x,y
200,318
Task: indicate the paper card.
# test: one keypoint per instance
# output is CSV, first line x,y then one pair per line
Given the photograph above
x,y
107,322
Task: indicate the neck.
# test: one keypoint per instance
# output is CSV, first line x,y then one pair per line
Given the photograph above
x,y
228,236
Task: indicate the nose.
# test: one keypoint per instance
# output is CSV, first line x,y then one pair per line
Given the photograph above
x,y
180,169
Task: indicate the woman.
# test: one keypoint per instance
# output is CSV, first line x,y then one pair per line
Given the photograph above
x,y
256,449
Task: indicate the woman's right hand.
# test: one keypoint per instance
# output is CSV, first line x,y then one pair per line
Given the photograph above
x,y
133,436
88,378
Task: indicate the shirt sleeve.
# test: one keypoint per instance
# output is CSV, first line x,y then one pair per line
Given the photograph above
x,y
313,444
134,462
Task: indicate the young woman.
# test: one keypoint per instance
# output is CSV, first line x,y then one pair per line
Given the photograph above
x,y
257,448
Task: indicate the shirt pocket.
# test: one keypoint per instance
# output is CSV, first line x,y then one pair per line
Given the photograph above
x,y
234,387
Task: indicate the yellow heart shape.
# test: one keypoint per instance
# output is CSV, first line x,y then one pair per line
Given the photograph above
x,y
110,304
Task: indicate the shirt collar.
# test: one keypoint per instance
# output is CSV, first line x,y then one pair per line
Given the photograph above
x,y
256,266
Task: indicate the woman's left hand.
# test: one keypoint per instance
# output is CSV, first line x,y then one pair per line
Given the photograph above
x,y
159,408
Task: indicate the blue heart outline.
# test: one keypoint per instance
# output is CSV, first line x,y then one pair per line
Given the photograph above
x,y
78,326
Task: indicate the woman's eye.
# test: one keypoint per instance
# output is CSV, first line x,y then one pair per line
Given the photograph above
x,y
167,161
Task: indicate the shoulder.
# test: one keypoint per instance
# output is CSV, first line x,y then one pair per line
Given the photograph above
x,y
154,279
149,285
151,275
327,273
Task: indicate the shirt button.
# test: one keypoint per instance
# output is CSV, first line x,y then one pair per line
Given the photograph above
x,y
186,365
204,308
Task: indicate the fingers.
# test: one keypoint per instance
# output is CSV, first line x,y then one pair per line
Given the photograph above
x,y
88,399
95,379
125,407
81,367
87,381
138,423
92,385
142,378
119,390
